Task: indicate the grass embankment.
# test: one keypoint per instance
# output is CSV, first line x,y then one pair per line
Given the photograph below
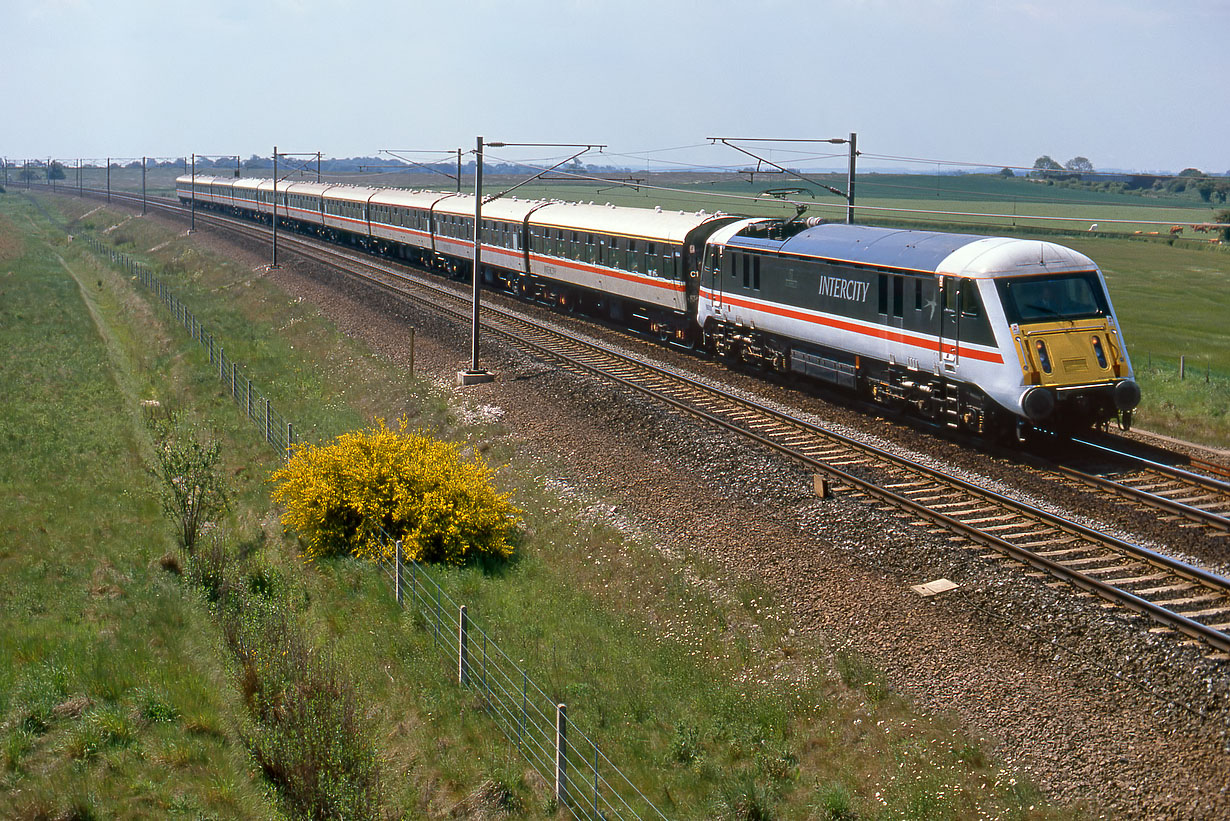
x,y
115,697
680,687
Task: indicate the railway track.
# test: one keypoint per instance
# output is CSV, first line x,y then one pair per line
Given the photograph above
x,y
1184,497
1180,598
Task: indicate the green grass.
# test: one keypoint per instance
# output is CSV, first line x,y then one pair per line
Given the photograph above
x,y
113,696
679,685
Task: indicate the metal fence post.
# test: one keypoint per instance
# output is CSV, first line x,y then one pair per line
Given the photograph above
x,y
463,651
268,424
561,754
290,438
249,398
525,683
222,363
397,571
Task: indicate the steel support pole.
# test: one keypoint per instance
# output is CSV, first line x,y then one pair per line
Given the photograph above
x,y
274,264
143,164
192,225
474,375
478,245
850,179
108,179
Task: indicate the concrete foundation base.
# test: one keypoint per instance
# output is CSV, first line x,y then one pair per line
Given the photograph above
x,y
465,378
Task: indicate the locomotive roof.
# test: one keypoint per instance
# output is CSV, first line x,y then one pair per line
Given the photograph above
x,y
927,251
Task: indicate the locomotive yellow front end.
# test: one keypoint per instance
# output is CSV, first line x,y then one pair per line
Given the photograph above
x,y
1073,362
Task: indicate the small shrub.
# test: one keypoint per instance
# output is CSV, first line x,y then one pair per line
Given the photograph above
x,y
835,803
152,707
40,689
687,749
16,745
193,493
742,798
99,730
340,497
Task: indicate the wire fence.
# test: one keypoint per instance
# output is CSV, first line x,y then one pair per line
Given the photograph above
x,y
278,431
584,780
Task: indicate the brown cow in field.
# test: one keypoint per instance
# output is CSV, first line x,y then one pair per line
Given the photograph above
x,y
1176,229
1202,228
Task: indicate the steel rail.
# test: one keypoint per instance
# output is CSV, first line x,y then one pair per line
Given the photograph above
x,y
1192,513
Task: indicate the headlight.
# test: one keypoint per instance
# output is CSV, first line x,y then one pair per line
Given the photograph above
x,y
1099,352
1044,358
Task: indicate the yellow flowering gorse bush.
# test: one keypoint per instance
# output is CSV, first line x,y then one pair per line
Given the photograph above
x,y
338,496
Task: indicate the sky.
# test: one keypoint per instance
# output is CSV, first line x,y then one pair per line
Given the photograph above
x,y
1128,84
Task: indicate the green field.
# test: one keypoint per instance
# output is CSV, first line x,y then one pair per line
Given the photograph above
x,y
953,200
119,697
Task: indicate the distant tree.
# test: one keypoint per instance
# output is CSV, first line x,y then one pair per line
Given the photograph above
x,y
1191,172
56,171
1224,217
1045,163
1080,165
1007,172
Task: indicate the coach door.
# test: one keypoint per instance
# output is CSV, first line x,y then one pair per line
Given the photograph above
x,y
713,269
950,321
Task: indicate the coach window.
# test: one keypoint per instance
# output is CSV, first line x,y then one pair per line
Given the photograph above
x,y
882,294
898,297
918,302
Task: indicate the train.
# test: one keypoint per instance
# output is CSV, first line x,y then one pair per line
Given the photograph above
x,y
989,335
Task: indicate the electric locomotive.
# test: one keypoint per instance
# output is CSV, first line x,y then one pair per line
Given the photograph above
x,y
979,333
